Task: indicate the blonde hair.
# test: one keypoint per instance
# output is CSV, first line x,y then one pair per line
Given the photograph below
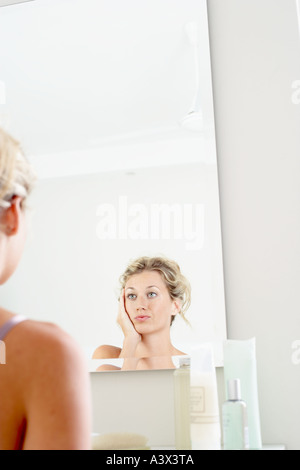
x,y
16,175
177,285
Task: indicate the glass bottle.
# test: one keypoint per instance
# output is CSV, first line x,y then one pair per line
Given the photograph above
x,y
235,422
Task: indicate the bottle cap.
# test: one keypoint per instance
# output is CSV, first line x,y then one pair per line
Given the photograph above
x,y
234,389
184,361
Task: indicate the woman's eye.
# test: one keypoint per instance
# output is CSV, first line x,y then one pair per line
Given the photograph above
x,y
152,294
131,296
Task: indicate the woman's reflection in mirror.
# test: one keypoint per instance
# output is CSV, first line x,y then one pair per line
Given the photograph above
x,y
153,293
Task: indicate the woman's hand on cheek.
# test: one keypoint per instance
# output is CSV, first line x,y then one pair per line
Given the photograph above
x,y
124,321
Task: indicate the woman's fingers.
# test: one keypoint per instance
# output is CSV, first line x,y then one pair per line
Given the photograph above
x,y
124,319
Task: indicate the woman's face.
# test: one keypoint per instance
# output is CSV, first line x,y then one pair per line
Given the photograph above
x,y
148,302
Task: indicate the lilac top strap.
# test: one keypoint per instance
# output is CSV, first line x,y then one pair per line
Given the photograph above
x,y
13,321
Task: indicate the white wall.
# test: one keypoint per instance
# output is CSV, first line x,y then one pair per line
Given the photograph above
x,y
255,60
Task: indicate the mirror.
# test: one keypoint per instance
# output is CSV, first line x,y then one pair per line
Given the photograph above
x,y
112,101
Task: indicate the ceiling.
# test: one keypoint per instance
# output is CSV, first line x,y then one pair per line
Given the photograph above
x,y
80,75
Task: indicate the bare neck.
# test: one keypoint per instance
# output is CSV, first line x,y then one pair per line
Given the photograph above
x,y
157,344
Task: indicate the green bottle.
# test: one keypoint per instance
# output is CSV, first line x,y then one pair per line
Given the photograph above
x,y
235,422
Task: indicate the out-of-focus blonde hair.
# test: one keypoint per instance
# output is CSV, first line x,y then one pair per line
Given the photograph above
x,y
16,175
178,286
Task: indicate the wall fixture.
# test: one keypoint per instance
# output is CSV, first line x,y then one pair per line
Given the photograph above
x,y
194,119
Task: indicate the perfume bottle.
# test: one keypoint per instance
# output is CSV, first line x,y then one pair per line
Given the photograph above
x,y
240,361
235,421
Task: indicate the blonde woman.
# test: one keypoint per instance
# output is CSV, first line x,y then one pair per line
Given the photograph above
x,y
44,387
153,293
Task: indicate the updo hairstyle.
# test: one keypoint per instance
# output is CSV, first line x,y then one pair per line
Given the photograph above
x,y
178,286
16,175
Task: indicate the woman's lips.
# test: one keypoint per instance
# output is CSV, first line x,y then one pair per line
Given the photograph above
x,y
142,318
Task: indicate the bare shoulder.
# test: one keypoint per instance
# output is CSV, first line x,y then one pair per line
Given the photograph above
x,y
47,375
106,367
31,341
50,334
43,344
106,351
